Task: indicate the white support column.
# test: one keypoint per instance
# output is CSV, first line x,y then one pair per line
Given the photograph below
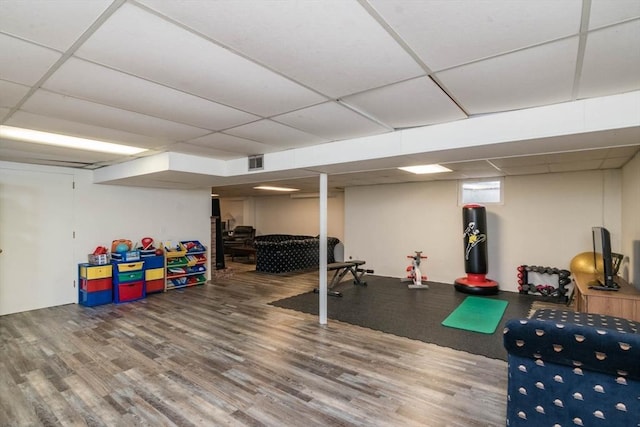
x,y
323,250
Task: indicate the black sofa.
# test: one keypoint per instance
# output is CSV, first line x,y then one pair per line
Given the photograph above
x,y
281,253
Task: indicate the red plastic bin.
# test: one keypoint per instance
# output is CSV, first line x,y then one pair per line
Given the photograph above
x,y
126,292
96,285
155,285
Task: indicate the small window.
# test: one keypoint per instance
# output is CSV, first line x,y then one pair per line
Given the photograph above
x,y
481,191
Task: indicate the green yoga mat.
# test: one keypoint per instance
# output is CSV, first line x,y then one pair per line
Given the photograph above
x,y
477,314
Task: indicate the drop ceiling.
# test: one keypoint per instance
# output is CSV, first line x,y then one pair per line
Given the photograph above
x,y
227,79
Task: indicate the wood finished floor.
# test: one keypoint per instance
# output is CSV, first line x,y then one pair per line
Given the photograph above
x,y
219,355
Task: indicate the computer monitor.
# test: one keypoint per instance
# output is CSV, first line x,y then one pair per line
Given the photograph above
x,y
602,257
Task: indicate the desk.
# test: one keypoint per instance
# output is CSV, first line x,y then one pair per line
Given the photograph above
x,y
622,303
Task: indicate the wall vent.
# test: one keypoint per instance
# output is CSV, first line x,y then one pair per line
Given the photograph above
x,y
256,162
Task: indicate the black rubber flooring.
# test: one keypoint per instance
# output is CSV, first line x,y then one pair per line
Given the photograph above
x,y
387,305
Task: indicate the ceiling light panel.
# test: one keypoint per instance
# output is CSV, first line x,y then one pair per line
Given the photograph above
x,y
93,82
51,152
416,102
605,12
141,43
67,108
275,134
532,77
57,24
331,121
26,120
446,33
611,61
23,62
351,52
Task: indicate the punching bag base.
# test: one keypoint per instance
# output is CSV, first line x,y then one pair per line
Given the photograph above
x,y
471,285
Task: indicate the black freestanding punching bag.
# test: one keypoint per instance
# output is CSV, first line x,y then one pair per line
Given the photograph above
x,y
474,223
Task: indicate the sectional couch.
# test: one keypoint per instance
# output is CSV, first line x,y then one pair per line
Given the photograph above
x,y
281,253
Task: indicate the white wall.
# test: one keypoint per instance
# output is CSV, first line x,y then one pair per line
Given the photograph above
x,y
545,220
630,222
282,214
102,213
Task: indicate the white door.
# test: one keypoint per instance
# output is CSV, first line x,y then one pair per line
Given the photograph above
x,y
36,238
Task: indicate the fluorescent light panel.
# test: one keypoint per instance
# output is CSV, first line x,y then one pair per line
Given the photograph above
x,y
270,188
28,135
422,169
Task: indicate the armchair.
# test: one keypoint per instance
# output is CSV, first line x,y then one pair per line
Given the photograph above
x,y
240,236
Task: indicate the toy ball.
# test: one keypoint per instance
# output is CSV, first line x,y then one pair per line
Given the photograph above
x,y
122,247
583,263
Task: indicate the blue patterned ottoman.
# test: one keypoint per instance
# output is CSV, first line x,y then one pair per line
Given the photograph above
x,y
573,369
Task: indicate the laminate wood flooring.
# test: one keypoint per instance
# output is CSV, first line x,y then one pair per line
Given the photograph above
x,y
220,355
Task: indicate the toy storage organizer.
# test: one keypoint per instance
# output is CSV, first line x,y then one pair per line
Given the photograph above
x,y
95,284
130,276
153,273
185,264
128,281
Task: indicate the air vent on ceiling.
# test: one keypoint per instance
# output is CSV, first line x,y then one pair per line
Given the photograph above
x,y
256,162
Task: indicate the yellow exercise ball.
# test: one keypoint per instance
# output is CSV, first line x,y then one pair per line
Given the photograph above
x,y
583,263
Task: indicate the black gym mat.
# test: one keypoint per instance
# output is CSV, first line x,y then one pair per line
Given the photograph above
x,y
387,305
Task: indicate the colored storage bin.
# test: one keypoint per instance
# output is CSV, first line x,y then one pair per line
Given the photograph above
x,y
96,285
130,276
125,292
154,262
155,285
91,299
126,256
95,271
134,266
177,262
153,274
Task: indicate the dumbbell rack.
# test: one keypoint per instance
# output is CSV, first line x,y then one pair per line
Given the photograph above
x,y
524,287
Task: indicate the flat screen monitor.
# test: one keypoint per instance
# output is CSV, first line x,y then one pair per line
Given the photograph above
x,y
602,258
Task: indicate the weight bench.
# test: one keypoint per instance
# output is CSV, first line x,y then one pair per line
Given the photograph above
x,y
340,270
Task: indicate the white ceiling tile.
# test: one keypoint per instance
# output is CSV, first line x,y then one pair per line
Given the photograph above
x,y
605,12
334,46
23,62
416,102
611,61
11,93
57,24
575,166
145,45
526,170
276,134
446,33
72,109
82,130
3,113
614,163
528,78
203,150
93,82
233,144
331,121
